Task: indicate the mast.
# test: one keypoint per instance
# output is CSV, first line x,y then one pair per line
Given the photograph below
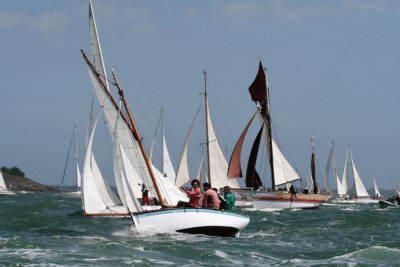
x,y
313,166
334,160
135,133
269,129
76,160
208,141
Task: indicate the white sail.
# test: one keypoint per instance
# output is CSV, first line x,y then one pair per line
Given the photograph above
x,y
327,172
218,165
78,176
128,170
2,183
345,178
283,171
106,193
377,193
95,47
170,193
182,173
91,199
360,189
168,169
395,186
340,189
127,141
124,169
198,176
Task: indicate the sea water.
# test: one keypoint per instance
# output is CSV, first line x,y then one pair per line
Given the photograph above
x,y
43,229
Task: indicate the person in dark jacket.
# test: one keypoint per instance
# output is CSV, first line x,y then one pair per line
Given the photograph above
x,y
229,199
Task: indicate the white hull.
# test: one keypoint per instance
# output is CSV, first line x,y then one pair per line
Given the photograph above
x,y
71,194
283,200
6,192
192,221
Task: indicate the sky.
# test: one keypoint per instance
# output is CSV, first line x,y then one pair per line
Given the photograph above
x,y
333,73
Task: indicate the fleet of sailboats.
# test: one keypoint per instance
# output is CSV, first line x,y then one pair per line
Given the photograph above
x,y
282,173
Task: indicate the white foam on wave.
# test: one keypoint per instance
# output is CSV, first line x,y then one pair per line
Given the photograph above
x,y
225,256
373,253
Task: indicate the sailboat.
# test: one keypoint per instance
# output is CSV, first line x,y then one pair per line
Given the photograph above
x,y
362,195
111,109
77,193
377,193
3,187
391,202
282,173
131,159
341,192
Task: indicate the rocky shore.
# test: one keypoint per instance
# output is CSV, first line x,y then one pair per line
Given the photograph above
x,y
20,183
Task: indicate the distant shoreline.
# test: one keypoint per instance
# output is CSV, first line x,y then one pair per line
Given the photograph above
x,y
17,183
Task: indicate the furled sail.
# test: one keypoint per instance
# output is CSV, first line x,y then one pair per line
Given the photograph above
x,y
252,178
283,171
95,47
377,193
360,189
182,173
235,168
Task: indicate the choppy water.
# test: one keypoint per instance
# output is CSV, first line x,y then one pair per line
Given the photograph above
x,y
38,229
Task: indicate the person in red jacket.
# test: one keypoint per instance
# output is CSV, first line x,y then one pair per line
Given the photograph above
x,y
194,196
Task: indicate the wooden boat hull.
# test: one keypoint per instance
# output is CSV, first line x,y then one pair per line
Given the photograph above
x,y
77,194
385,204
191,221
283,200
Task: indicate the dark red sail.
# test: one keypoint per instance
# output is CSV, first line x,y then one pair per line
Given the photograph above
x,y
235,168
252,177
258,89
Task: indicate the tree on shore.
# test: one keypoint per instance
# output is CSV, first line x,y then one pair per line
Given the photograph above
x,y
14,171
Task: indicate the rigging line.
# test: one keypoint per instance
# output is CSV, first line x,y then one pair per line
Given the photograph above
x,y
224,119
66,163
